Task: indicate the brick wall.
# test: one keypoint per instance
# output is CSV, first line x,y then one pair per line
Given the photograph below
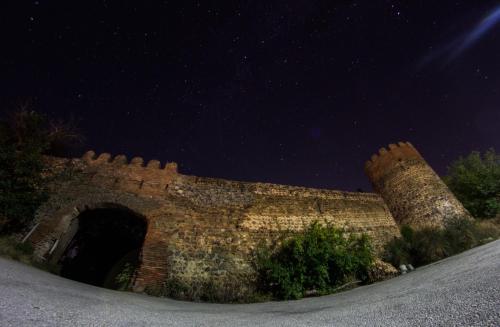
x,y
197,227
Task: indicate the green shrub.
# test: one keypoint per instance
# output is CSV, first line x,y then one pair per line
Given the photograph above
x,y
123,279
475,181
319,260
426,245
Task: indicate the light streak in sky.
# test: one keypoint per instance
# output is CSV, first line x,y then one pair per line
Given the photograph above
x,y
480,30
453,50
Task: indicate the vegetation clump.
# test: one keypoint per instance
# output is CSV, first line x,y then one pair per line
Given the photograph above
x,y
228,289
426,245
21,167
12,249
123,280
318,261
475,181
25,136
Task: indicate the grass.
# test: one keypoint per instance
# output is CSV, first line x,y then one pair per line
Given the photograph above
x,y
426,245
23,252
10,248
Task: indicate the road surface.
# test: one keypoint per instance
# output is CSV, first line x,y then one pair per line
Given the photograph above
x,y
459,291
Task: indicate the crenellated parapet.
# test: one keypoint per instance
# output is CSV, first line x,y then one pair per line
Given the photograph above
x,y
117,172
388,159
414,193
91,158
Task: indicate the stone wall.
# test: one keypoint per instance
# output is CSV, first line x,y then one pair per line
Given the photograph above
x,y
197,227
414,193
259,208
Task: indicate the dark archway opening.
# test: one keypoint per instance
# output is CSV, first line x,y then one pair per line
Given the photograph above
x,y
105,248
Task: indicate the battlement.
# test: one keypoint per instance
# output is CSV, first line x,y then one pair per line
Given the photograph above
x,y
385,159
91,158
189,215
412,190
118,173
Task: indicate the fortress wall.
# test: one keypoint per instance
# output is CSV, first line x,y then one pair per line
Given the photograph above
x,y
201,228
193,222
210,227
414,193
257,209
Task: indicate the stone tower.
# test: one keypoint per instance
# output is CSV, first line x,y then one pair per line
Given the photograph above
x,y
414,193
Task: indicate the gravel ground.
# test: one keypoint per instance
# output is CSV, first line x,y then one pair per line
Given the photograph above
x,y
460,291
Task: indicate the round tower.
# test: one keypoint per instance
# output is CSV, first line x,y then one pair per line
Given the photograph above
x,y
414,193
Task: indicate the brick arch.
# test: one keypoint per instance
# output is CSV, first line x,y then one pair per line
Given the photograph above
x,y
54,233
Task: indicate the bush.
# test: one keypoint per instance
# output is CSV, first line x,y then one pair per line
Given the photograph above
x,y
427,245
318,260
487,230
459,235
475,181
123,279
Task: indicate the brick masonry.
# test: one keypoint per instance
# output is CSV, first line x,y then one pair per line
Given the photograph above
x,y
206,227
414,193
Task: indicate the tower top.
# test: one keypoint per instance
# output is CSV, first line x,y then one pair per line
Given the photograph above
x,y
412,190
386,159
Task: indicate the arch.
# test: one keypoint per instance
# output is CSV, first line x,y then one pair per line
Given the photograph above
x,y
101,242
58,226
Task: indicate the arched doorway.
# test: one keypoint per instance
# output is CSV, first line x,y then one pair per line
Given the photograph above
x,y
105,248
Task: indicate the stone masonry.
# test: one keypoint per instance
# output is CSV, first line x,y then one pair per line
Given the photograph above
x,y
193,222
414,193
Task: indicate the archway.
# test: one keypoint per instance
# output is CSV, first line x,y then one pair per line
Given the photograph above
x,y
106,247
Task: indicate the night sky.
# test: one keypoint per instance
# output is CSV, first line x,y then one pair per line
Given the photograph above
x,y
296,92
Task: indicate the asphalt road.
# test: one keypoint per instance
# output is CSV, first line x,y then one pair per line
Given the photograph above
x,y
460,291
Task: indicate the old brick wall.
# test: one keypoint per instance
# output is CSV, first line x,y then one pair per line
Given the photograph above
x,y
260,208
197,227
216,219
414,193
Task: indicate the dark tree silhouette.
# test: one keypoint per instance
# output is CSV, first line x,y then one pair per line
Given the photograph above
x,y
25,136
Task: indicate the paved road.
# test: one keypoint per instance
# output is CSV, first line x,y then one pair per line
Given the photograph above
x,y
460,291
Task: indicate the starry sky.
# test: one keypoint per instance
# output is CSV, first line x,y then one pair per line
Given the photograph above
x,y
297,92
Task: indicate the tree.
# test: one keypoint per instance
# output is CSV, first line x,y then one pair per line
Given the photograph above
x,y
20,171
53,137
475,181
25,136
